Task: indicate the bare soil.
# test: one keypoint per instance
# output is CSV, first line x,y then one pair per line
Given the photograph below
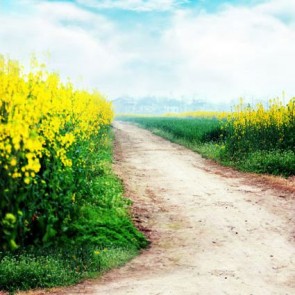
x,y
213,230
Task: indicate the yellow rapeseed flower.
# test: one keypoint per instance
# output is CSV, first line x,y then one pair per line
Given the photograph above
x,y
43,118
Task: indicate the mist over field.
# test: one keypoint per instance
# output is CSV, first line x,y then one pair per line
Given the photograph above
x,y
163,105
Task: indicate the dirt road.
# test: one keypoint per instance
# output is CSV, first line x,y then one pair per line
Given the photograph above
x,y
213,230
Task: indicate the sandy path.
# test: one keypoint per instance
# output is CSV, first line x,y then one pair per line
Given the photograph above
x,y
213,231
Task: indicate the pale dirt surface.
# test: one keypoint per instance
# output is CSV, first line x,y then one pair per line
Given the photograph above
x,y
213,230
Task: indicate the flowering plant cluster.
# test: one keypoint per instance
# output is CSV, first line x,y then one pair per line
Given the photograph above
x,y
44,124
261,128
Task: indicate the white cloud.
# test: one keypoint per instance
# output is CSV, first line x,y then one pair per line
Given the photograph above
x,y
239,51
236,52
279,8
81,44
136,5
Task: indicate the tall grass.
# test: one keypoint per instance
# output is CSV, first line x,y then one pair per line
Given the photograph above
x,y
193,130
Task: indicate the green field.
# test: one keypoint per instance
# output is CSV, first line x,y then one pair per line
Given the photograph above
x,y
214,139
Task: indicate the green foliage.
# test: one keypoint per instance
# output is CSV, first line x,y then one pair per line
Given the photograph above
x,y
107,228
254,129
191,130
38,206
26,271
259,151
93,235
274,162
62,266
43,125
210,150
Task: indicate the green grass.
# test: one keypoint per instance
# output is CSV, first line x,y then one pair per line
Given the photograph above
x,y
99,237
210,138
274,162
44,268
191,130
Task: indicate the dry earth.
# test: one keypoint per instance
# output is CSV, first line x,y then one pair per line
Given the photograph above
x,y
213,230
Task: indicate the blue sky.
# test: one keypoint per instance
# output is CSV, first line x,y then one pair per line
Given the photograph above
x,y
214,50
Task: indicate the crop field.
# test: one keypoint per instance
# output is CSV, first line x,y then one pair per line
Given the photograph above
x,y
192,130
258,139
147,147
63,216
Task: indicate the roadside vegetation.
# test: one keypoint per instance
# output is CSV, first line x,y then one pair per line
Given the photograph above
x,y
63,216
251,138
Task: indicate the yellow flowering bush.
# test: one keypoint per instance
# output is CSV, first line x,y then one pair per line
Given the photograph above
x,y
43,123
261,128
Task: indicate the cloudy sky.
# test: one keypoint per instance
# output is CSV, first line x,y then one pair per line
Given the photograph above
x,y
208,49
